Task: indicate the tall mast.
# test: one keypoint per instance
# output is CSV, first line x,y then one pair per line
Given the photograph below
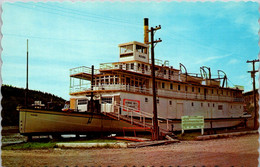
x,y
26,91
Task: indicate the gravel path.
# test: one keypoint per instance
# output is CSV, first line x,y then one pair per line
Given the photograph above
x,y
235,151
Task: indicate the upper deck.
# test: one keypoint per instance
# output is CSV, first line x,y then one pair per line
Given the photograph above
x,y
133,74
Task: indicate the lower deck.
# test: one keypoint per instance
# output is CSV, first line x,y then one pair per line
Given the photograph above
x,y
167,108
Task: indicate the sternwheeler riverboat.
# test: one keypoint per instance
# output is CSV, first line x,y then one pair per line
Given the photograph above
x,y
118,96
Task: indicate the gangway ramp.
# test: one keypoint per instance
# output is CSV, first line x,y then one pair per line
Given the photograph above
x,y
139,119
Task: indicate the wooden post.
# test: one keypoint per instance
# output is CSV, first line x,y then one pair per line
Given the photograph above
x,y
256,124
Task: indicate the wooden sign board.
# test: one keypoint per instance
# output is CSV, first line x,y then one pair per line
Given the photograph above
x,y
192,122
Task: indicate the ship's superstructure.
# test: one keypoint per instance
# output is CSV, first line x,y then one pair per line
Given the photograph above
x,y
128,83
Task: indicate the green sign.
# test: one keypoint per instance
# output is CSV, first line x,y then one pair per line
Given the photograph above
x,y
192,122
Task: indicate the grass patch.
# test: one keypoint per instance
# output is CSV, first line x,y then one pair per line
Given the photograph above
x,y
30,145
188,136
51,144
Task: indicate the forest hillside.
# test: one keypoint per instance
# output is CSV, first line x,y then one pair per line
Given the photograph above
x,y
13,96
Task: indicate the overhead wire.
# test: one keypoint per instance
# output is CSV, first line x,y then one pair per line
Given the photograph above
x,y
86,14
45,38
171,35
64,14
73,14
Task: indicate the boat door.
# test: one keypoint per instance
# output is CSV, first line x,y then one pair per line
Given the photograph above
x,y
82,105
179,112
117,102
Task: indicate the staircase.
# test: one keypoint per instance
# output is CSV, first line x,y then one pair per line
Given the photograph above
x,y
138,119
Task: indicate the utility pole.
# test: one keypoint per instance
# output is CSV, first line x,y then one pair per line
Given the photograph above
x,y
155,118
26,90
256,125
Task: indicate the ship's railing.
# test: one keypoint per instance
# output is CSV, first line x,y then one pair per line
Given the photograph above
x,y
83,69
106,66
130,112
123,66
157,62
160,92
78,88
133,114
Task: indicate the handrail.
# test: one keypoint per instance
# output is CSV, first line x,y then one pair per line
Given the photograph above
x,y
162,92
142,114
83,69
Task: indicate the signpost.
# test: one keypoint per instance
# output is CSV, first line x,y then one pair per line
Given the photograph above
x,y
192,122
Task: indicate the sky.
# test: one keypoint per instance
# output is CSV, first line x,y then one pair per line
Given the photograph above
x,y
65,35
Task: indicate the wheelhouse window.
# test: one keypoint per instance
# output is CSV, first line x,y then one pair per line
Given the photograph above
x,y
126,49
141,49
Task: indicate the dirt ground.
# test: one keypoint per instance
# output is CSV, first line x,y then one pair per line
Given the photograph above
x,y
235,151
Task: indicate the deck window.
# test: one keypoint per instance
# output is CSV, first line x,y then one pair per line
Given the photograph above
x,y
192,104
132,66
170,102
198,89
82,101
186,88
163,85
192,89
179,87
201,104
171,86
106,100
220,107
146,99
